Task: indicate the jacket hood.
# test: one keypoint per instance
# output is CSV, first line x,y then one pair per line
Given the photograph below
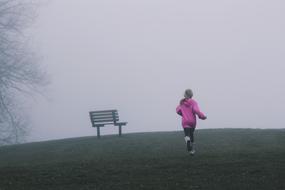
x,y
186,102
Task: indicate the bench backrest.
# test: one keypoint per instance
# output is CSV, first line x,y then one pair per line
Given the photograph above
x,y
104,117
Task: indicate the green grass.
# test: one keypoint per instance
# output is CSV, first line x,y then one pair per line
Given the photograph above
x,y
226,159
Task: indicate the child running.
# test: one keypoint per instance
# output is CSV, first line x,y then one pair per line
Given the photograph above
x,y
188,109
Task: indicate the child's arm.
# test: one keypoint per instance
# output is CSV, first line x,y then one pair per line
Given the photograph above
x,y
197,111
178,110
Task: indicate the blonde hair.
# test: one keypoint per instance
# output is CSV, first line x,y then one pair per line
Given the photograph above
x,y
188,93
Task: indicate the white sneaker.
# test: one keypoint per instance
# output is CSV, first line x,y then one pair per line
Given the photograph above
x,y
187,139
192,152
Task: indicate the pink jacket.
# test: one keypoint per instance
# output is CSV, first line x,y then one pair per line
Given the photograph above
x,y
188,109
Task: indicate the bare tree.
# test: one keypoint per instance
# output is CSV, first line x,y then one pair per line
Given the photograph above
x,y
19,70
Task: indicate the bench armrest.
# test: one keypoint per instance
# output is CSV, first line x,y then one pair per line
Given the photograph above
x,y
121,123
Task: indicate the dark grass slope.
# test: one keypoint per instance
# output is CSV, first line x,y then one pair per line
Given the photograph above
x,y
226,159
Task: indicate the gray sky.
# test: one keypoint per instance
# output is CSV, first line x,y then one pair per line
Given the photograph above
x,y
140,56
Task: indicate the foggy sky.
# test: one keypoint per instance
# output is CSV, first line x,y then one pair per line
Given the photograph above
x,y
140,56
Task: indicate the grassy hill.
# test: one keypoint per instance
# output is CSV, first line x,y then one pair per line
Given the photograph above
x,y
225,159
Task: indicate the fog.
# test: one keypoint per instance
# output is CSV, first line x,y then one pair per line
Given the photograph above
x,y
140,56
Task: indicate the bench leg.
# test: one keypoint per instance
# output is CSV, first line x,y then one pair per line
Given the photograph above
x,y
120,130
98,132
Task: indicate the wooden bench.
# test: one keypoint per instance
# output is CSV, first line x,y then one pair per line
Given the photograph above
x,y
105,117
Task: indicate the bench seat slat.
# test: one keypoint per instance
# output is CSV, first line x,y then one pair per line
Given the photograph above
x,y
104,117
102,124
103,120
104,111
99,114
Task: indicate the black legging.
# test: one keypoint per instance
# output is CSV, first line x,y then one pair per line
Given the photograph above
x,y
190,133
